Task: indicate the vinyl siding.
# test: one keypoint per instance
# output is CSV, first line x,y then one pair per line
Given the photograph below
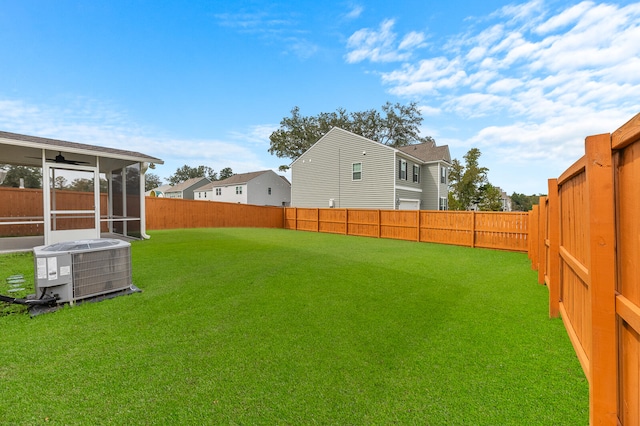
x,y
324,172
430,185
258,190
432,188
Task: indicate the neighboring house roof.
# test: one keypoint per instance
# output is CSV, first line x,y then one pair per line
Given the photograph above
x,y
163,189
238,179
80,148
428,152
185,185
285,179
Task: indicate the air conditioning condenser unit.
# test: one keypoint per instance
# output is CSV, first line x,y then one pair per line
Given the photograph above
x,y
76,270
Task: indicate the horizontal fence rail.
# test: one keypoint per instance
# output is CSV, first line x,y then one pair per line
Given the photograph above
x,y
495,230
585,245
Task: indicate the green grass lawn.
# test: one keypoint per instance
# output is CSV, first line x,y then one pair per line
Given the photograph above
x,y
264,326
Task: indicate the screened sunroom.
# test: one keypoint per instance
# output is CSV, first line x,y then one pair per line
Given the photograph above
x,y
53,191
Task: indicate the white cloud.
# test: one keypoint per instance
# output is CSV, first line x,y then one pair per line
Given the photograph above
x,y
355,12
281,28
256,135
428,110
565,18
525,13
412,40
506,85
380,45
90,122
533,81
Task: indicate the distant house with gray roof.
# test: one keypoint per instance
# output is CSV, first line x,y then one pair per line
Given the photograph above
x,y
185,189
345,170
263,188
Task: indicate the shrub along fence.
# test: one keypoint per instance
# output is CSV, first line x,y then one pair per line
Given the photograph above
x,y
495,230
585,244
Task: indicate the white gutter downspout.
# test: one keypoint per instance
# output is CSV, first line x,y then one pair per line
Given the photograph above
x,y
439,183
143,215
395,161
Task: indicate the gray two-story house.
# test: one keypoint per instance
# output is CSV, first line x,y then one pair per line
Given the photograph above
x,y
345,170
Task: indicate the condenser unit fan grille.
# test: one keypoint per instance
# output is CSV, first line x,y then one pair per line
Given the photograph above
x,y
100,272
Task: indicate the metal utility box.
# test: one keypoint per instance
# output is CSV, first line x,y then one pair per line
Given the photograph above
x,y
75,270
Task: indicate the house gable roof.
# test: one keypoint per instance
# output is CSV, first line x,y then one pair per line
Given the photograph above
x,y
186,184
428,152
331,133
240,178
237,179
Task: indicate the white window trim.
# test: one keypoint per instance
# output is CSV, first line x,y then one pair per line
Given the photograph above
x,y
353,172
403,168
446,203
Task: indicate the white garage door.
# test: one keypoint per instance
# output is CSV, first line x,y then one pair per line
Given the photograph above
x,y
409,205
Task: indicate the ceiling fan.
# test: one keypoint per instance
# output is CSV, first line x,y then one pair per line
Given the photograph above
x,y
60,159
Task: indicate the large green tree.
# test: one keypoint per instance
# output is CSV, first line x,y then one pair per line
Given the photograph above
x,y
466,181
490,198
225,173
151,181
397,125
32,176
187,172
522,202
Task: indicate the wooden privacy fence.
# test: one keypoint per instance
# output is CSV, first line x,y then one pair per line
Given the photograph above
x,y
585,243
169,213
495,230
25,205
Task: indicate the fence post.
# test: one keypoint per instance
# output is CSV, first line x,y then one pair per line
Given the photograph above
x,y
473,228
317,220
542,237
418,226
379,223
535,235
346,221
295,218
553,283
602,280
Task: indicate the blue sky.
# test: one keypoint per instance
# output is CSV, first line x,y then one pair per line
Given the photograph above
x,y
206,82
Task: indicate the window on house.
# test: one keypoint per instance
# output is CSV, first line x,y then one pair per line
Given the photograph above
x,y
238,190
416,173
218,191
269,191
443,175
205,195
444,203
356,169
402,170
